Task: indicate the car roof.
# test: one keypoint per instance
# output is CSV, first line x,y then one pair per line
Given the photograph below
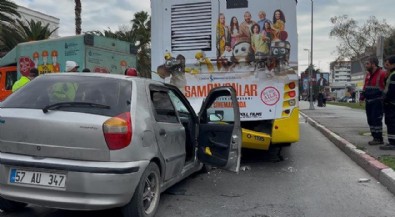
x,y
137,80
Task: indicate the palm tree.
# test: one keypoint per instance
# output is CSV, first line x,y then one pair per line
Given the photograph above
x,y
123,35
7,9
34,30
77,10
8,39
141,33
11,35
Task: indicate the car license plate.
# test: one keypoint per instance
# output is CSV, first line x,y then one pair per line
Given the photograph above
x,y
48,179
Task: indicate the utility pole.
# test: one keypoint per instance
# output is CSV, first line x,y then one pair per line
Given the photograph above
x,y
311,63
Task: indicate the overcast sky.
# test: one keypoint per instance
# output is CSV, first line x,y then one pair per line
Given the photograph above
x,y
105,14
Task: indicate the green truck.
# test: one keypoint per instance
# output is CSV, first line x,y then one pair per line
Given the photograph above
x,y
97,53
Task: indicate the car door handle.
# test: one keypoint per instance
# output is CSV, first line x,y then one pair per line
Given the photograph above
x,y
217,144
162,132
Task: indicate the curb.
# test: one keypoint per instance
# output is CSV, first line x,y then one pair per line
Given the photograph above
x,y
381,172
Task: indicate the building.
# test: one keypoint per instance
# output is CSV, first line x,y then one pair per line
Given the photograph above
x,y
340,74
357,75
29,14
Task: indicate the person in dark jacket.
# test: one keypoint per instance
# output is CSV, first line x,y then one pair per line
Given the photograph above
x,y
320,101
389,103
373,92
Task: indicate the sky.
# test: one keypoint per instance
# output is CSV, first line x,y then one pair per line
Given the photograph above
x,y
113,14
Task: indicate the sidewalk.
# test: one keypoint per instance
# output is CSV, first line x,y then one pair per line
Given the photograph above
x,y
348,129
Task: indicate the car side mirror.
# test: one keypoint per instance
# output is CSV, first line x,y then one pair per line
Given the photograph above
x,y
215,117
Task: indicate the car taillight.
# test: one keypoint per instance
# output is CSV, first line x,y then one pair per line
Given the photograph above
x,y
118,131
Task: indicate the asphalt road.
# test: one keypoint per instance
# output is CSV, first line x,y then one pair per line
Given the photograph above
x,y
315,179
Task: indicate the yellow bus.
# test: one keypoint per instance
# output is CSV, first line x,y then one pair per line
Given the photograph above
x,y
248,44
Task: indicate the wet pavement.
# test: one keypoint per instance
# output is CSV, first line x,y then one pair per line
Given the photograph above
x,y
350,124
347,128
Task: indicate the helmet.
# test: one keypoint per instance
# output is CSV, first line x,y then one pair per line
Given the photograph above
x,y
131,72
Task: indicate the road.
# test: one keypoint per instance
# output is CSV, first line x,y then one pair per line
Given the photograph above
x,y
315,179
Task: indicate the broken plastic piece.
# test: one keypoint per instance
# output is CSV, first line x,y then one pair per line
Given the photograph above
x,y
245,168
363,180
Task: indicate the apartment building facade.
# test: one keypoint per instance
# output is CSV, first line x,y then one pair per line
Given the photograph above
x,y
340,74
29,14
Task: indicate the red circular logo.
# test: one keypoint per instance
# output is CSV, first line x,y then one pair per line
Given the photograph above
x,y
270,96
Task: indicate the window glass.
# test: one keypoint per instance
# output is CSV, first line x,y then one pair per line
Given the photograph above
x,y
220,109
51,89
163,106
177,102
10,79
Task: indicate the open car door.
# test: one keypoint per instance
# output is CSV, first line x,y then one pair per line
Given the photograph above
x,y
219,141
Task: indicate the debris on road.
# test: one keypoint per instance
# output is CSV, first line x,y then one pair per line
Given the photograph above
x,y
363,180
290,169
231,195
245,168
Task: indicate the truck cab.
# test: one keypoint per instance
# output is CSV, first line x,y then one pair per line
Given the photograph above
x,y
8,76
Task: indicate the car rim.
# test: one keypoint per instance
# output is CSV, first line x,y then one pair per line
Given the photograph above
x,y
150,194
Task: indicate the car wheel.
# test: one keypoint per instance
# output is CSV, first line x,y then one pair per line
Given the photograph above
x,y
10,206
145,200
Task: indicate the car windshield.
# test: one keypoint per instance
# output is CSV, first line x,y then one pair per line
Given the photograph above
x,y
87,94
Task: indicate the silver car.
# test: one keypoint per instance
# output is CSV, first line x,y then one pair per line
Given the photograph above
x,y
98,141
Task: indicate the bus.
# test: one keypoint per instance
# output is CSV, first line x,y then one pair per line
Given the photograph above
x,y
250,45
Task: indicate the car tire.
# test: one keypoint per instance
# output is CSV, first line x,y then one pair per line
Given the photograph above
x,y
10,206
145,200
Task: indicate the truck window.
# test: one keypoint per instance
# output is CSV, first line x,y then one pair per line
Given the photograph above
x,y
10,79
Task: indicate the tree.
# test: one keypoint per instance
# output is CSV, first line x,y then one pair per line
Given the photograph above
x,y
34,30
12,35
77,10
358,42
389,45
123,35
141,33
7,9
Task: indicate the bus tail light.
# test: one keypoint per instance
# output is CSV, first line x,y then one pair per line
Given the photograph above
x,y
292,102
292,85
292,93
